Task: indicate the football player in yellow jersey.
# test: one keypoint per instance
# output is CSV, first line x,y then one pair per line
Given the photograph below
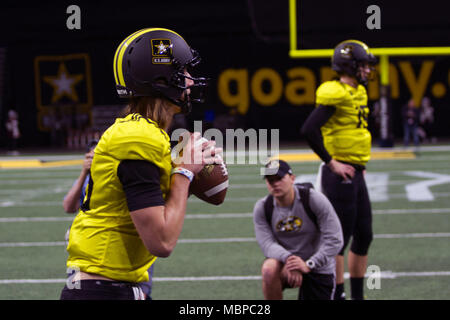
x,y
337,132
135,201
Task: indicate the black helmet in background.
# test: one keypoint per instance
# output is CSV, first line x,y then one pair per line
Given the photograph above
x,y
349,56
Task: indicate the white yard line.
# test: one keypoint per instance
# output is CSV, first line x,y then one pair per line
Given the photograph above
x,y
383,275
414,211
8,203
412,235
37,181
36,219
227,215
32,244
229,240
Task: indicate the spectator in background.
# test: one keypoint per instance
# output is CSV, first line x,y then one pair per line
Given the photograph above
x,y
427,120
13,132
57,126
410,115
74,198
375,116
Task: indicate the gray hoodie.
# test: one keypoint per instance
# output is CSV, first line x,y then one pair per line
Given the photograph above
x,y
293,232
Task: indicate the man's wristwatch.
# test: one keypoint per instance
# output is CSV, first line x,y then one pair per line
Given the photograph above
x,y
310,264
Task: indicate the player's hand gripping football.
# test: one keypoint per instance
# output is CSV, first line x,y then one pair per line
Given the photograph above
x,y
196,152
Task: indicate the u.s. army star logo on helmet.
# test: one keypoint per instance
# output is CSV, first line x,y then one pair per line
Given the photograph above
x,y
161,51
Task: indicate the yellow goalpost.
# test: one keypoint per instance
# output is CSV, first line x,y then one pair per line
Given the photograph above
x,y
383,53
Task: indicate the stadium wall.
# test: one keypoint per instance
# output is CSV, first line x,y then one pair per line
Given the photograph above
x,y
244,50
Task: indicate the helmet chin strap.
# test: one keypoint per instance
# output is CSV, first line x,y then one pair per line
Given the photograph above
x,y
361,80
185,105
369,75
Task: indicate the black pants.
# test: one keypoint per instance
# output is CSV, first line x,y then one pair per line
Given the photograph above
x,y
101,290
317,286
352,204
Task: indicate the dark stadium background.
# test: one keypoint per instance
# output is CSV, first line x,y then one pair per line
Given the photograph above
x,y
230,34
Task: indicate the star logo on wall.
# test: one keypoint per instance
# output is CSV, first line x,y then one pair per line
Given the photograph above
x,y
63,84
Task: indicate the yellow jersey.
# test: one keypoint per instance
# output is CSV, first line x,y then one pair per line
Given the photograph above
x,y
103,239
345,134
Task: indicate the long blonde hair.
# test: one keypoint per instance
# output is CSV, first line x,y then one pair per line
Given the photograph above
x,y
157,109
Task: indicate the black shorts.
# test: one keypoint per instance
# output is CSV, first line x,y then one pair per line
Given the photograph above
x,y
102,290
352,204
317,286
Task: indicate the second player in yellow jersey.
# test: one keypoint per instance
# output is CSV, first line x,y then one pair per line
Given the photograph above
x,y
345,134
337,132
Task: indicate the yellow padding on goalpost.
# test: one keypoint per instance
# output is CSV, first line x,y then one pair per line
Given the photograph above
x,y
20,163
376,155
35,163
393,155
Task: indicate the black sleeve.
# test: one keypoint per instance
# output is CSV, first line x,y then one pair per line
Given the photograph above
x,y
311,130
141,183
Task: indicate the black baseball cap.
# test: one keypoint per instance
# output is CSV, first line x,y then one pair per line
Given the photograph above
x,y
277,168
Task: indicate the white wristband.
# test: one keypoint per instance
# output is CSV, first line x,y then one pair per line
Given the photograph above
x,y
185,172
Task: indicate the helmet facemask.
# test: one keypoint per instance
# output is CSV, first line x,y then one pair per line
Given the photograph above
x,y
359,71
187,94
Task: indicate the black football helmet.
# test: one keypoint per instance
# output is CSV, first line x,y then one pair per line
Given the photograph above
x,y
349,55
152,62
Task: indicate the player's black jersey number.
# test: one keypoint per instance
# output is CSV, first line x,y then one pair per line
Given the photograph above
x,y
362,117
86,204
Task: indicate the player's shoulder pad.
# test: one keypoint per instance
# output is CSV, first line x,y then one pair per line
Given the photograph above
x,y
330,93
137,139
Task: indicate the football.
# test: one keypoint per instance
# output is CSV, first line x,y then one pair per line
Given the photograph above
x,y
211,183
